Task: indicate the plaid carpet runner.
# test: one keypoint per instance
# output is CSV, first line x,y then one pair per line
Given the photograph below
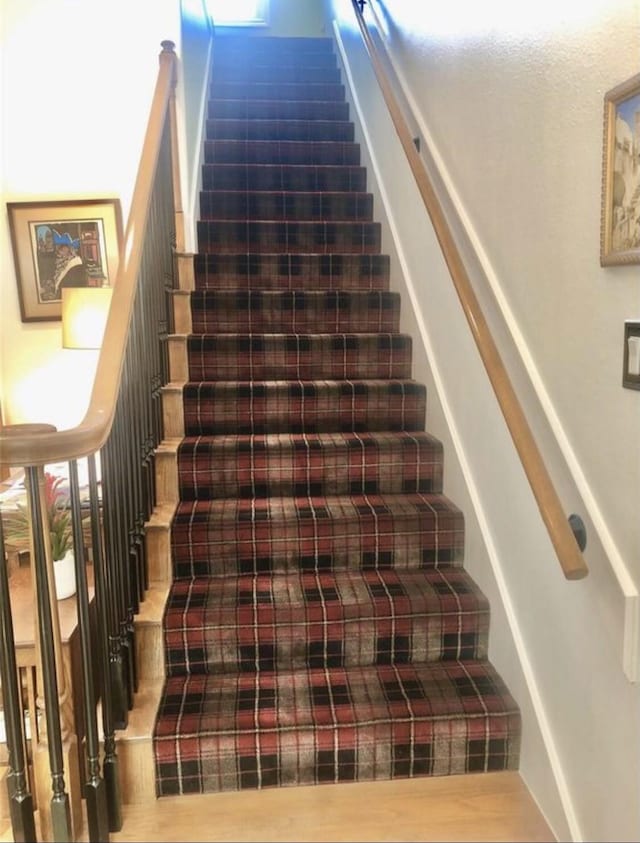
x,y
320,626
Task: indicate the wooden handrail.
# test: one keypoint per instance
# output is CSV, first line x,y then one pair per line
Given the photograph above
x,y
24,448
569,555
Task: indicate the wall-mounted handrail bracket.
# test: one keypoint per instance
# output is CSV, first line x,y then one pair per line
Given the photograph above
x,y
579,530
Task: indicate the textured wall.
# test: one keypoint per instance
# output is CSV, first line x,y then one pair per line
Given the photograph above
x,y
514,103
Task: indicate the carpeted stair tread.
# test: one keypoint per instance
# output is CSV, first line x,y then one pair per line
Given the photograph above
x,y
320,625
317,406
287,205
230,128
291,91
277,109
311,176
294,311
260,535
232,62
266,729
302,48
324,464
279,356
291,271
225,236
330,619
316,153
280,75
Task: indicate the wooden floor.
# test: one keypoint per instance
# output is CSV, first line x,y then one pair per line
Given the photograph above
x,y
489,807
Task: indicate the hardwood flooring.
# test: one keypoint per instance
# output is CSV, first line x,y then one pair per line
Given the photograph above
x,y
489,807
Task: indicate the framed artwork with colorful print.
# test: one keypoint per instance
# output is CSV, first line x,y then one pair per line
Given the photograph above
x,y
620,226
62,244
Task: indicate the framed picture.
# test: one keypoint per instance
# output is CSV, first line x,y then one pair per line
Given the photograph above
x,y
62,244
620,234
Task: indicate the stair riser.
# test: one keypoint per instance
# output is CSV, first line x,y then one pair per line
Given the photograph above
x,y
306,91
289,153
283,177
323,621
279,130
254,73
230,237
294,312
265,63
295,466
298,357
351,643
221,544
172,412
166,475
292,272
280,407
286,48
231,205
151,654
247,109
137,771
158,546
406,727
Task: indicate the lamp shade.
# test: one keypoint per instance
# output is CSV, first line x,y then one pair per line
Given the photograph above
x,y
84,315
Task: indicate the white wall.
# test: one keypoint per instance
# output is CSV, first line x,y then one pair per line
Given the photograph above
x,y
516,120
290,18
515,106
77,83
196,37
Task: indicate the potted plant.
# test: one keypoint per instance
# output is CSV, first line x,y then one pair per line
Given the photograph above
x,y
16,525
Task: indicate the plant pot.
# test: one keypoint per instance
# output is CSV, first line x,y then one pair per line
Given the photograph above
x,y
64,574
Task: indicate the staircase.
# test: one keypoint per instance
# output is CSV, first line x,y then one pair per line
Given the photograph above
x,y
320,626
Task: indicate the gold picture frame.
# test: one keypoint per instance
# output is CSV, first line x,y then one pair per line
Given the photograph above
x,y
620,226
58,244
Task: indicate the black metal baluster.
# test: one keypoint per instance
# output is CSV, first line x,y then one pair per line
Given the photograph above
x,y
119,695
94,787
60,807
110,764
126,449
20,799
136,481
117,453
148,445
166,281
115,457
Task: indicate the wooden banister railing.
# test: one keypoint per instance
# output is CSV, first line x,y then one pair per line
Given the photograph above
x,y
562,537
